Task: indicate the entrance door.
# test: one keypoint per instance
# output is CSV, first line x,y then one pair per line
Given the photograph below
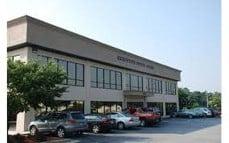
x,y
135,104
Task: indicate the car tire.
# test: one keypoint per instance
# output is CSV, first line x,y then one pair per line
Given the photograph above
x,y
190,116
33,131
61,132
143,123
95,129
120,126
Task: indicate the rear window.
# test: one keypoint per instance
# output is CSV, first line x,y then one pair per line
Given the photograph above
x,y
77,116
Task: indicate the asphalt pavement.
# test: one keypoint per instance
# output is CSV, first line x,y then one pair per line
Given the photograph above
x,y
207,130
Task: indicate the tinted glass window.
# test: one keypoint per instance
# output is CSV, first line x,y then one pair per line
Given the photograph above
x,y
71,73
63,65
119,80
80,74
93,77
100,78
128,81
113,81
77,116
107,82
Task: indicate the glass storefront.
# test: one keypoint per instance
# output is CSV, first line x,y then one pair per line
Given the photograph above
x,y
159,105
170,107
105,107
71,105
134,104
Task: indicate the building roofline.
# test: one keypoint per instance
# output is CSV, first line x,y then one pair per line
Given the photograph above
x,y
38,21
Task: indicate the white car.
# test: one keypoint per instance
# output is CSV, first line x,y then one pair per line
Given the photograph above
x,y
124,120
204,110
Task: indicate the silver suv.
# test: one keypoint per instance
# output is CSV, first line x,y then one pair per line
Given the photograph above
x,y
61,123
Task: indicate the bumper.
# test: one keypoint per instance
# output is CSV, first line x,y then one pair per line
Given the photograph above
x,y
132,124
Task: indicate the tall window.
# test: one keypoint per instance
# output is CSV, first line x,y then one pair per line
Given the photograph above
x,y
107,81
79,74
100,78
155,86
104,78
128,81
94,77
119,80
74,71
134,82
170,88
63,65
71,73
113,80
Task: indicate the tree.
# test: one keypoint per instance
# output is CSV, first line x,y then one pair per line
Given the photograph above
x,y
32,85
188,99
214,100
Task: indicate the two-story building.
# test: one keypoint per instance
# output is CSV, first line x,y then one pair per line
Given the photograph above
x,y
101,78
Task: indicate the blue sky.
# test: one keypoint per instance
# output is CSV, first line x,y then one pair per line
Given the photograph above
x,y
184,34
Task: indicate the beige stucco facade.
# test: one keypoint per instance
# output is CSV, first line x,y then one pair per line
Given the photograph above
x,y
29,37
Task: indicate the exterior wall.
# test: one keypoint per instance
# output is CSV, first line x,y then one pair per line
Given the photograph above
x,y
16,33
23,53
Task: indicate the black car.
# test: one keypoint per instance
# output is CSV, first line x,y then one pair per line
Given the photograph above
x,y
215,113
98,123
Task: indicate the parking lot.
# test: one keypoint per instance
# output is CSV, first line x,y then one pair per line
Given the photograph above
x,y
207,130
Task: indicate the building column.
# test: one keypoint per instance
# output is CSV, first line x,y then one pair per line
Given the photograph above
x,y
87,107
23,120
164,109
144,102
124,102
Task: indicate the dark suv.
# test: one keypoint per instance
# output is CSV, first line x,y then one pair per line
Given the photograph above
x,y
61,123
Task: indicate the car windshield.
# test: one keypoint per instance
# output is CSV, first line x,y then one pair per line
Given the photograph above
x,y
77,116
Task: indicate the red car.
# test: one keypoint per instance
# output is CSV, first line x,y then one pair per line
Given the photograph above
x,y
146,118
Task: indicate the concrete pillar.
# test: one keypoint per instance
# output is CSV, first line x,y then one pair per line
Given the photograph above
x,y
23,120
164,109
124,103
87,107
145,103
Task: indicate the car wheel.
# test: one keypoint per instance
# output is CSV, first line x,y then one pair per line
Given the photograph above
x,y
120,126
190,116
61,132
205,115
33,131
95,129
143,123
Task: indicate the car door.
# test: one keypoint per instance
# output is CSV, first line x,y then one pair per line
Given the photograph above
x,y
42,124
53,121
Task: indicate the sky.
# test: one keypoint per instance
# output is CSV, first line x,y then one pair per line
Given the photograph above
x,y
184,34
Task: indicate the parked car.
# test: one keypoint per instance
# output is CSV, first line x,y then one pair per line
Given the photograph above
x,y
146,118
215,113
185,113
153,110
205,111
61,123
97,123
123,120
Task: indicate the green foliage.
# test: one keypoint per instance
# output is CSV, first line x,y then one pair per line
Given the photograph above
x,y
215,100
188,99
32,85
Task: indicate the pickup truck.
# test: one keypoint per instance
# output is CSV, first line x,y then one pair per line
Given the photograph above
x,y
146,118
